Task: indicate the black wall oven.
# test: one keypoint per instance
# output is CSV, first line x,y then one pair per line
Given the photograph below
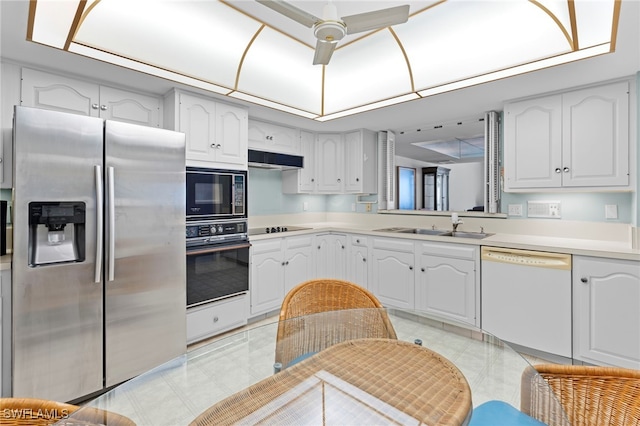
x,y
216,194
217,260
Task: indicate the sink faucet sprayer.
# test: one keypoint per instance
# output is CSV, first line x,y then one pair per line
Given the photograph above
x,y
456,221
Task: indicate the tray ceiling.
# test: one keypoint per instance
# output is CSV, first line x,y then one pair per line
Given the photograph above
x,y
241,49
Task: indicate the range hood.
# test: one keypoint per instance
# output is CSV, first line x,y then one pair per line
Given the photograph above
x,y
272,160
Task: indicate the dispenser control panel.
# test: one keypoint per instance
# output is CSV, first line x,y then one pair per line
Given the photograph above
x,y
56,232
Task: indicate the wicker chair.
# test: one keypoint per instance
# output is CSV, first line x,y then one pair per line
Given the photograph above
x,y
590,396
352,315
42,412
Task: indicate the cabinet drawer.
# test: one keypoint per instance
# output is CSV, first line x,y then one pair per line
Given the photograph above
x,y
358,241
297,242
209,320
395,245
450,250
266,246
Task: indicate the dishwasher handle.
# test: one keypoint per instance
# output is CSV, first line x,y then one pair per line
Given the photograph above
x,y
537,259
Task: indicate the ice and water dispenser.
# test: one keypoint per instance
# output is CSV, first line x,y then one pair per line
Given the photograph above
x,y
56,232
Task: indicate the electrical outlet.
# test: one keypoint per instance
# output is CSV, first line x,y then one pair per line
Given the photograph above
x,y
515,209
353,207
368,207
611,211
546,209
305,206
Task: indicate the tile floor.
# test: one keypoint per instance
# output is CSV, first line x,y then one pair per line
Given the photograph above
x,y
177,392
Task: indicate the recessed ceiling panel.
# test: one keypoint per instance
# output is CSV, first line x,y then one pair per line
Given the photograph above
x,y
280,69
203,39
52,22
496,35
369,70
595,22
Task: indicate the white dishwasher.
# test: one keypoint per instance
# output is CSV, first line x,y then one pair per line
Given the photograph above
x,y
526,298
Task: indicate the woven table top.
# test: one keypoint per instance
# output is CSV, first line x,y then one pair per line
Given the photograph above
x,y
364,381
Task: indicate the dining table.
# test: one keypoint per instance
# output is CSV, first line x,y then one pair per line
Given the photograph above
x,y
434,373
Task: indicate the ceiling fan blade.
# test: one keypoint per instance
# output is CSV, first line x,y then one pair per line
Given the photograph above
x,y
292,12
324,50
377,19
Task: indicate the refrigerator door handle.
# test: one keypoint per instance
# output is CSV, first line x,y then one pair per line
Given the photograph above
x,y
100,223
112,223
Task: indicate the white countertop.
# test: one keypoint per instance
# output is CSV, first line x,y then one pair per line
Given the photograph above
x,y
576,246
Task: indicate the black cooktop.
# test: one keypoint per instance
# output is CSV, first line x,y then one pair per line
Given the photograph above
x,y
275,229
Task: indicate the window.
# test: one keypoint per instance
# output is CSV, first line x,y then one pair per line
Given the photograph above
x,y
406,188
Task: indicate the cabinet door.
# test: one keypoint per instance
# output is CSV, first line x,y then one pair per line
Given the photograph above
x,y
533,143
267,276
302,180
198,123
129,107
299,261
231,135
330,163
331,257
447,287
606,309
273,138
358,261
596,136
353,162
307,174
392,277
54,92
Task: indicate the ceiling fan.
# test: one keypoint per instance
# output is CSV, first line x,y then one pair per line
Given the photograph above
x,y
330,29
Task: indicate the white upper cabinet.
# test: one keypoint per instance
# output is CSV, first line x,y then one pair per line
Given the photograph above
x,y
361,162
273,138
595,135
578,139
231,134
302,180
330,163
533,143
216,132
335,163
54,92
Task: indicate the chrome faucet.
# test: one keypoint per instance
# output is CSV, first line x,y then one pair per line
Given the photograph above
x,y
455,221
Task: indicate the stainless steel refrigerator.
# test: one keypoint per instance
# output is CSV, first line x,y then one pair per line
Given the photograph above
x,y
99,252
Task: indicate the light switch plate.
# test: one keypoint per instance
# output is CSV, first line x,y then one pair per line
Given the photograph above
x,y
611,211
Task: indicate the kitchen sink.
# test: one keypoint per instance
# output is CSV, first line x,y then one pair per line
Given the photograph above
x,y
437,232
462,234
423,231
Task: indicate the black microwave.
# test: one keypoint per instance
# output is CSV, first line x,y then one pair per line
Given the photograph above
x,y
216,194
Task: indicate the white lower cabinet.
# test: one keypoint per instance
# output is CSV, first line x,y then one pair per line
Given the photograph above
x,y
358,260
214,318
606,311
299,262
331,256
392,272
276,267
447,281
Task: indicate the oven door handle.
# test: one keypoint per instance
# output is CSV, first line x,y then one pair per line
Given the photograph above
x,y
216,249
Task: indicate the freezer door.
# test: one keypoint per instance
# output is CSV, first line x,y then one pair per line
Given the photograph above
x,y
57,308
145,290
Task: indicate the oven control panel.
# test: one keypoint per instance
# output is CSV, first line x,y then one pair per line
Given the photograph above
x,y
212,232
